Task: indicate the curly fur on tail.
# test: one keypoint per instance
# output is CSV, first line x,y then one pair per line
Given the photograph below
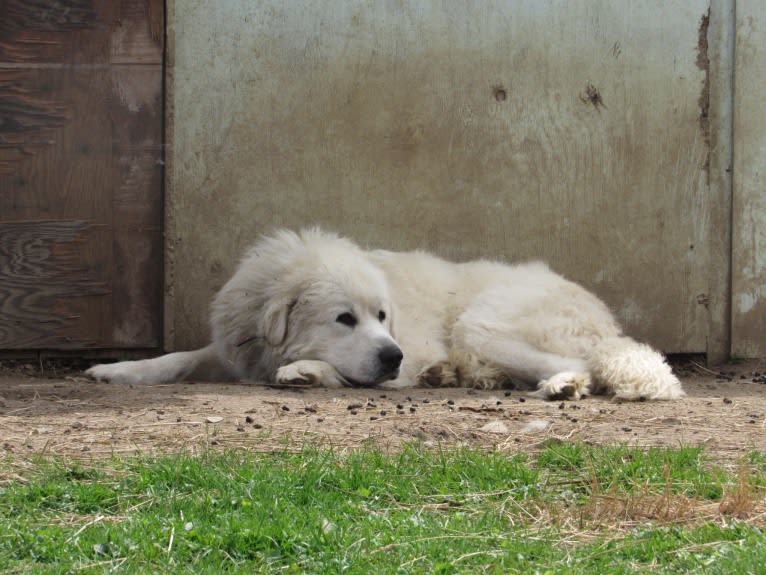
x,y
632,371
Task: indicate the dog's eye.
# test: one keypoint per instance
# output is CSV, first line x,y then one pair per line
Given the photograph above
x,y
382,315
346,319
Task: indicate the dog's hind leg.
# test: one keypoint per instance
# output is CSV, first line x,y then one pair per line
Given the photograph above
x,y
202,364
494,362
491,353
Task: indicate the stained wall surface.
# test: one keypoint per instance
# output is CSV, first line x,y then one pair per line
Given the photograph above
x,y
575,132
749,174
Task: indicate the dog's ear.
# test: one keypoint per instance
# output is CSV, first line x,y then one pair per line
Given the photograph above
x,y
274,321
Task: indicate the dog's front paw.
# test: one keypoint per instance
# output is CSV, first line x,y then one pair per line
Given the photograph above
x,y
564,385
124,372
292,375
441,374
307,373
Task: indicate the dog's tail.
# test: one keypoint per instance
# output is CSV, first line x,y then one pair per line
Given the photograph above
x,y
633,371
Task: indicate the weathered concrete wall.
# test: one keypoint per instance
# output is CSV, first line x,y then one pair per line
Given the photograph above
x,y
575,132
749,174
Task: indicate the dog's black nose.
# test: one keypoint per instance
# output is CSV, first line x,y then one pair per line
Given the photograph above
x,y
390,357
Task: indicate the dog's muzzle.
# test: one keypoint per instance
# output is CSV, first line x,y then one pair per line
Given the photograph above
x,y
389,360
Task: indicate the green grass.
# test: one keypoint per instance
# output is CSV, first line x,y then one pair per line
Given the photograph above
x,y
570,509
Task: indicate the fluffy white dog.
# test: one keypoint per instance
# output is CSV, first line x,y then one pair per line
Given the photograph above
x,y
315,309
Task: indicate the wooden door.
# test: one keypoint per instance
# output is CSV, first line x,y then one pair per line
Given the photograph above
x,y
81,111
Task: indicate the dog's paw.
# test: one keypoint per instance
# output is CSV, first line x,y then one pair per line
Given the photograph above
x,y
292,375
564,385
442,374
124,372
307,373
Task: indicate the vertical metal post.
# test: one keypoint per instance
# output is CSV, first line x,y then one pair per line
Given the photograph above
x,y
720,47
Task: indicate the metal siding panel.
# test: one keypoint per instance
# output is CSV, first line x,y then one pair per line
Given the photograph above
x,y
575,132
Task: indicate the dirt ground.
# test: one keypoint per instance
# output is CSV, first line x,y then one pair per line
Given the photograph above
x,y
45,410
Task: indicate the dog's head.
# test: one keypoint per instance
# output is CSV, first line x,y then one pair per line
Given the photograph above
x,y
341,314
318,298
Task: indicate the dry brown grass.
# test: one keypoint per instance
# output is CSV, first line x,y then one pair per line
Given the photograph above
x,y
619,511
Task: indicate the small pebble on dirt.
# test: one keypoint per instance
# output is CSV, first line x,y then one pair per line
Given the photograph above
x,y
413,409
373,418
320,419
240,429
248,419
353,406
450,402
522,399
426,401
383,412
354,412
507,394
285,408
310,409
257,426
627,429
726,400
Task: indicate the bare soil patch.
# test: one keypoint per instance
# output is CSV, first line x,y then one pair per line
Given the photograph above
x,y
57,411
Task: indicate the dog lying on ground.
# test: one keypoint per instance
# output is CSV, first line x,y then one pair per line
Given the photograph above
x,y
313,308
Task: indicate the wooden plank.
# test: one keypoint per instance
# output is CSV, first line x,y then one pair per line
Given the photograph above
x,y
48,290
137,207
40,32
81,141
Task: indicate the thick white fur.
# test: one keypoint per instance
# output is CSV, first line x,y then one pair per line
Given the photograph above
x,y
483,324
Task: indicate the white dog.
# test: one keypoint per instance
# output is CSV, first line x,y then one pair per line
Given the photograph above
x,y
314,308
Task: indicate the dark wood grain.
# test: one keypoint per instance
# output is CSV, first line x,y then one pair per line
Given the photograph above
x,y
81,112
48,288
